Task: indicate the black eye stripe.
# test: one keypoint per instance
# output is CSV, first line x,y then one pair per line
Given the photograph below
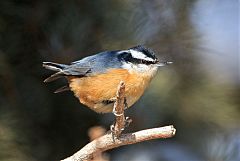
x,y
128,58
142,61
139,61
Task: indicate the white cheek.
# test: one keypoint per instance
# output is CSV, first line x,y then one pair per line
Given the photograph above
x,y
141,68
127,66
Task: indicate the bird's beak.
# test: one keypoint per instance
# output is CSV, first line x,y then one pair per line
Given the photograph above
x,y
160,64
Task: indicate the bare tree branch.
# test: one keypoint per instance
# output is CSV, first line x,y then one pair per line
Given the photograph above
x,y
107,142
119,110
116,138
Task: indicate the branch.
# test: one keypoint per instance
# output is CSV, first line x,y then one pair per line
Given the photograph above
x,y
116,139
119,110
107,142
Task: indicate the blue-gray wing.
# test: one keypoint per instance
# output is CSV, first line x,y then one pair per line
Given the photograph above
x,y
96,64
88,66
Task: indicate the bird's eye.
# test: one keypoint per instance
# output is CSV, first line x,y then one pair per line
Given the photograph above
x,y
142,61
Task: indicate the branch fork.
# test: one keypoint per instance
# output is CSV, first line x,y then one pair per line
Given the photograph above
x,y
116,138
118,111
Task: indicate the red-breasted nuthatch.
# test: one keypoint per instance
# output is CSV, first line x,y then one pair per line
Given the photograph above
x,y
94,79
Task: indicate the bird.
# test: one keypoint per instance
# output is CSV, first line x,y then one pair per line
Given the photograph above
x,y
94,79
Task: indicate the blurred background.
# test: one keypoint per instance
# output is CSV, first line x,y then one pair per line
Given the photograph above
x,y
199,94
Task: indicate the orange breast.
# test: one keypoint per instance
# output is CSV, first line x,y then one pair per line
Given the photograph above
x,y
92,90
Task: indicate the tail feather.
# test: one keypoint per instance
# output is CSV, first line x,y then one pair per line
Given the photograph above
x,y
62,70
59,69
54,67
54,77
62,89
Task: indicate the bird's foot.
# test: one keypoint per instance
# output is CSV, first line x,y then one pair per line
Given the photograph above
x,y
127,122
125,103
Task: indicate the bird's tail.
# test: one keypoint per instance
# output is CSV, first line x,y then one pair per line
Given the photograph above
x,y
58,68
54,67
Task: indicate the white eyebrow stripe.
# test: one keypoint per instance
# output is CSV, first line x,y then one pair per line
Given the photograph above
x,y
139,55
123,51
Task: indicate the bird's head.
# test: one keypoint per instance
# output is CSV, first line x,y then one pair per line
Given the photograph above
x,y
140,59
